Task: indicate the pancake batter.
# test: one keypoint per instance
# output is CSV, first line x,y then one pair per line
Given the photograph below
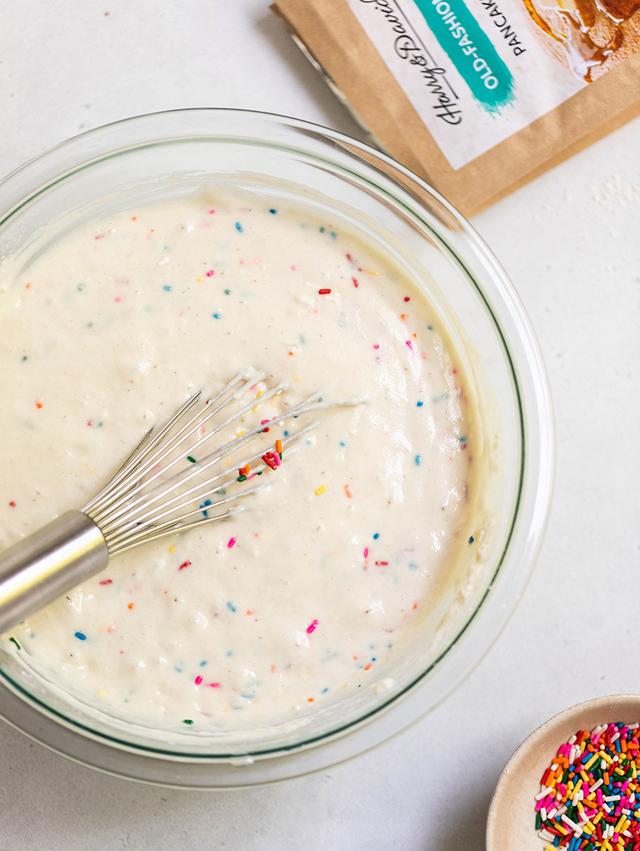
x,y
309,595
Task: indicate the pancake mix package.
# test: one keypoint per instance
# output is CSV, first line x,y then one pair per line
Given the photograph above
x,y
479,96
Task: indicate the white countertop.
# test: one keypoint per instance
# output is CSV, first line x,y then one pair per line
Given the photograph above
x,y
571,243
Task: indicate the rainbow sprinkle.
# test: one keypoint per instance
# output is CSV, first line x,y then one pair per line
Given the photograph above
x,y
589,798
271,459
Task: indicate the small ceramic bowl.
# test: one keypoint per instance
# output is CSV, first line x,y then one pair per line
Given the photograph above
x,y
511,817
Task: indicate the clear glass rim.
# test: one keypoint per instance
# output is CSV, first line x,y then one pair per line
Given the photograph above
x,y
534,415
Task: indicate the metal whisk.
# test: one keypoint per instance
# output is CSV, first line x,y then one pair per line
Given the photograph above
x,y
163,487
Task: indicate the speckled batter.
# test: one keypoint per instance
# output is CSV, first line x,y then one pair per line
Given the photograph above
x,y
109,328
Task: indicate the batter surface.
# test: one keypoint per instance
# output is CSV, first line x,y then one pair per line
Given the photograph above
x,y
310,594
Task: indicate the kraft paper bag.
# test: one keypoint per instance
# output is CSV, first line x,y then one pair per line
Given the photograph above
x,y
477,97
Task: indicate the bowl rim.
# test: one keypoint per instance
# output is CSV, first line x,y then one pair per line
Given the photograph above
x,y
531,359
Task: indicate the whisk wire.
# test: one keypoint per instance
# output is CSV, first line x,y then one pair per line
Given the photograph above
x,y
145,453
195,424
198,492
112,490
148,497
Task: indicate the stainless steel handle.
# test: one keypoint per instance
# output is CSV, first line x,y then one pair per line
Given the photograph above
x,y
47,564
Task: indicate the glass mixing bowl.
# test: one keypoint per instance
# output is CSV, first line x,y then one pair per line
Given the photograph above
x,y
169,154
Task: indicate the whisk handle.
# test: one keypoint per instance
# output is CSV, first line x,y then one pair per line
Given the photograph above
x,y
45,565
